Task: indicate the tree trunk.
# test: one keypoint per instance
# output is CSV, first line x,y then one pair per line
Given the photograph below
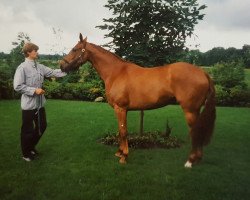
x,y
141,121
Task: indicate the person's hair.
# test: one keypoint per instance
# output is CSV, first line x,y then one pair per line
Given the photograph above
x,y
29,47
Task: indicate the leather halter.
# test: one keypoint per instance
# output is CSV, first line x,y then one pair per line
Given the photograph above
x,y
76,59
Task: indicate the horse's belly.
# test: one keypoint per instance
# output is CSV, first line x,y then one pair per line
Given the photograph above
x,y
149,101
141,94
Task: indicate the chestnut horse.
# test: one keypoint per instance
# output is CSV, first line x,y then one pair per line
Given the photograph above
x,y
131,87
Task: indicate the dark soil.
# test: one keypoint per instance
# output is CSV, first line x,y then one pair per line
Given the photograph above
x,y
144,141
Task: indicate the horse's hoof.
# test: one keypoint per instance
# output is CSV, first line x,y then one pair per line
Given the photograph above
x,y
118,154
188,164
122,160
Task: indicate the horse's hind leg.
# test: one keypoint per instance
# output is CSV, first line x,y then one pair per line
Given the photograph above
x,y
123,142
196,152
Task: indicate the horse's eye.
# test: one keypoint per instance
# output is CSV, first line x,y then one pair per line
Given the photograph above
x,y
74,50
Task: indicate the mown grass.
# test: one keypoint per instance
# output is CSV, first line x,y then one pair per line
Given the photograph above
x,y
73,165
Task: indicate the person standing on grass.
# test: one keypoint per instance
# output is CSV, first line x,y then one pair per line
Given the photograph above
x,y
28,80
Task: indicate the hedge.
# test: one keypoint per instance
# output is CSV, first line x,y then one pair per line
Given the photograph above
x,y
235,96
78,91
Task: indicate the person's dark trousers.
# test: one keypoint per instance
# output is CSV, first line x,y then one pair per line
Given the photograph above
x,y
30,132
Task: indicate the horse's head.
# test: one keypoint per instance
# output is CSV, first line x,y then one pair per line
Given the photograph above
x,y
76,57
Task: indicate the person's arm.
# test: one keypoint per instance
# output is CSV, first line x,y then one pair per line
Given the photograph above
x,y
48,72
20,86
19,83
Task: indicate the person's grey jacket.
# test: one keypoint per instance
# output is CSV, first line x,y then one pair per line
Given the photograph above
x,y
29,76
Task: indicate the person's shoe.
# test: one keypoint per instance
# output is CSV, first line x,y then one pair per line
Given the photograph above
x,y
28,159
34,152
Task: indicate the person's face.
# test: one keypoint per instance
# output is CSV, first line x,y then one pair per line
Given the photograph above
x,y
33,55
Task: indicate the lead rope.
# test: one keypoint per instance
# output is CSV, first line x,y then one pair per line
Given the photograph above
x,y
39,104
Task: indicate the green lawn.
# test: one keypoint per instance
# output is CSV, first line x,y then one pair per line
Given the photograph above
x,y
72,165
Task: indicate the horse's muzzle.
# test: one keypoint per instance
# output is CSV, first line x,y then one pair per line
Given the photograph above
x,y
63,66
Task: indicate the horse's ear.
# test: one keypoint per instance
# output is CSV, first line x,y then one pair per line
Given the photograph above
x,y
84,42
80,37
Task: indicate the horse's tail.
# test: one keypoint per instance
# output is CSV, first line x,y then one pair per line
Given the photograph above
x,y
204,127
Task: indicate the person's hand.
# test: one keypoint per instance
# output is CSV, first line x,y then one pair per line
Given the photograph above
x,y
39,91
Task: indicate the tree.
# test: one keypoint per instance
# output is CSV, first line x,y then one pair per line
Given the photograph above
x,y
151,32
192,56
215,55
233,55
16,55
7,71
6,88
246,55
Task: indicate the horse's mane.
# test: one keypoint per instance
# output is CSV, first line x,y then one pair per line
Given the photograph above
x,y
106,51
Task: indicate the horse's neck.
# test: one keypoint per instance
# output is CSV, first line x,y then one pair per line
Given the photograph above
x,y
105,63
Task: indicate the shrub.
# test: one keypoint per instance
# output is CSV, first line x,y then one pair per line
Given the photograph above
x,y
229,75
53,89
89,92
231,89
78,91
222,96
239,96
6,83
235,96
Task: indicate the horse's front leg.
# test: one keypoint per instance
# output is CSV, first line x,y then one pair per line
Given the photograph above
x,y
122,152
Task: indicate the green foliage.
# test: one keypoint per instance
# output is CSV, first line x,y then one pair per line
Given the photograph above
x,y
78,91
239,96
90,74
53,89
3,56
216,55
84,84
52,62
54,57
219,54
72,77
16,56
8,65
247,77
6,80
6,88
150,32
231,89
235,96
246,55
192,56
222,95
229,75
